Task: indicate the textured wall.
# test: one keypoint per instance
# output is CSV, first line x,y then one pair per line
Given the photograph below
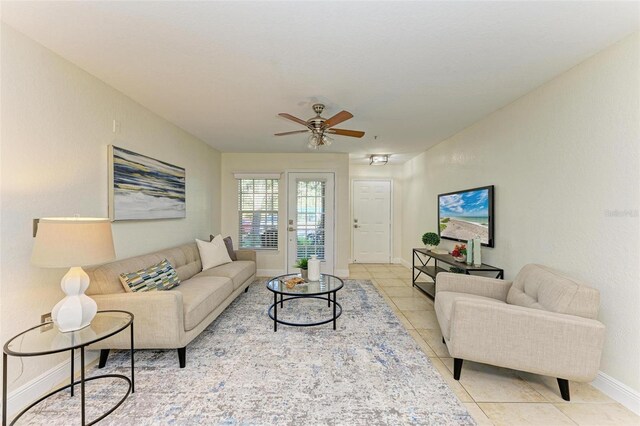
x,y
56,125
564,161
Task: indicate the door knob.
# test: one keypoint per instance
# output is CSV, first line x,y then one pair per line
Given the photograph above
x,y
355,226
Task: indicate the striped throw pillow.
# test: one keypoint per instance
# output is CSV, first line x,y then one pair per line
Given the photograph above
x,y
154,278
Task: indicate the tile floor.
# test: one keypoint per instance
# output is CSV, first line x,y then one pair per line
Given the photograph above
x,y
493,395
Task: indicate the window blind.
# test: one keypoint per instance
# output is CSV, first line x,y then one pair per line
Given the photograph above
x,y
258,213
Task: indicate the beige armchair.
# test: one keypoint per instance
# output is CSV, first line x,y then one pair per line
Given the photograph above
x,y
543,323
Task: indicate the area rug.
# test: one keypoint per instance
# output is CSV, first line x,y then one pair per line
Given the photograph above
x,y
240,372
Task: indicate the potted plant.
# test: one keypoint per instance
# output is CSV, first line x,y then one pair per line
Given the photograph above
x,y
303,264
459,252
431,240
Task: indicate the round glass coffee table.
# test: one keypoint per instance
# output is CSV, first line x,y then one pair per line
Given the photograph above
x,y
46,339
322,290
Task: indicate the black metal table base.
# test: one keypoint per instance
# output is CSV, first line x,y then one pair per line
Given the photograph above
x,y
81,383
72,382
273,311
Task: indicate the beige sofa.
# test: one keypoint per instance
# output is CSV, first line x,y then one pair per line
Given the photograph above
x,y
170,319
543,323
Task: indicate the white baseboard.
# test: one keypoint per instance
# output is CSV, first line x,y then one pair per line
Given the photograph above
x,y
618,391
400,261
270,272
405,263
343,273
33,389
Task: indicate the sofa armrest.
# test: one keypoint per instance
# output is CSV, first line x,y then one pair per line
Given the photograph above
x,y
472,284
533,340
158,319
246,255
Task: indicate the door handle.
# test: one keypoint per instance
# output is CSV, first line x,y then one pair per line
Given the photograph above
x,y
291,228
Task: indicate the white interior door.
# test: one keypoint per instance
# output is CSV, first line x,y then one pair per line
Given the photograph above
x,y
310,221
371,222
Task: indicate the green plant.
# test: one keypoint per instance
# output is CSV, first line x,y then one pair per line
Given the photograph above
x,y
302,263
430,239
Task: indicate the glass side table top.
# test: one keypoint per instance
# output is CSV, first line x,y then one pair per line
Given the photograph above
x,y
327,284
46,339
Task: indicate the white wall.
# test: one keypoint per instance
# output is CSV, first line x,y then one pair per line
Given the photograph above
x,y
564,161
56,125
394,173
269,261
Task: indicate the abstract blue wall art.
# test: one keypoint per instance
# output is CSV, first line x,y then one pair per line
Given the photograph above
x,y
142,188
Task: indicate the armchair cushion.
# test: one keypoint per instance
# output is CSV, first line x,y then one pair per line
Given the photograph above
x,y
539,287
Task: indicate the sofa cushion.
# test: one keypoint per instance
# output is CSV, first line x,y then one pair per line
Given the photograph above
x,y
158,277
105,279
213,253
239,271
200,296
444,305
539,287
228,242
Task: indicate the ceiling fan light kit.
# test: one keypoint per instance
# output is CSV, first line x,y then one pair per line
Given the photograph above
x,y
378,159
320,128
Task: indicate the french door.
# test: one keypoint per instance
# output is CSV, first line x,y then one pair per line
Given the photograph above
x,y
371,225
310,219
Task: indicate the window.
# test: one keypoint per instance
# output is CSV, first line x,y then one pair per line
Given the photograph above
x,y
258,213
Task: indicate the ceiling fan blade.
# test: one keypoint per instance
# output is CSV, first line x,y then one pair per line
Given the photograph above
x,y
343,132
291,133
292,118
337,119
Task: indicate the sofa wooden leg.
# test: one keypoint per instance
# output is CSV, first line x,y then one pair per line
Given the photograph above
x,y
457,368
104,354
443,340
246,289
563,384
182,356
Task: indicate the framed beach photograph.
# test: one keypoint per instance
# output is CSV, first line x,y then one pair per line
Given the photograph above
x,y
466,215
143,188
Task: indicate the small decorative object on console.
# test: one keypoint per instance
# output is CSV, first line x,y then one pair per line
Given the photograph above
x,y
470,251
431,240
477,252
459,252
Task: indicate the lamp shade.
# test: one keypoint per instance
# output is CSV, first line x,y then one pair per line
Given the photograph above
x,y
67,242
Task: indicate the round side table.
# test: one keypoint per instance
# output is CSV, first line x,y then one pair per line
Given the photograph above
x,y
46,339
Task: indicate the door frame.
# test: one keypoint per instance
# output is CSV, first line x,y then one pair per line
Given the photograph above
x,y
334,247
391,216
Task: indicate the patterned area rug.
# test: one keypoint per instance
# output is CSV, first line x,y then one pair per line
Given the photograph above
x,y
239,372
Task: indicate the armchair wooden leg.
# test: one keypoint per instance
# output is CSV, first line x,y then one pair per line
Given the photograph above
x,y
563,384
457,368
182,356
104,354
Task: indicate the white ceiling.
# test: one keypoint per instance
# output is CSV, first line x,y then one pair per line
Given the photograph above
x,y
411,73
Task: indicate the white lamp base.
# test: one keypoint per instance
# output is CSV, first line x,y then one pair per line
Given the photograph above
x,y
77,309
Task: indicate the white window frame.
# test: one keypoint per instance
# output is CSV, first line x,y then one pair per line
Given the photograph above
x,y
240,177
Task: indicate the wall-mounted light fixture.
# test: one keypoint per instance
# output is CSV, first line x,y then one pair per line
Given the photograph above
x,y
378,159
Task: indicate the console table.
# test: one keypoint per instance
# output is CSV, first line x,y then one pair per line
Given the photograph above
x,y
421,265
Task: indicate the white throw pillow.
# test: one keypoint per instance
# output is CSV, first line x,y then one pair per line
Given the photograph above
x,y
213,253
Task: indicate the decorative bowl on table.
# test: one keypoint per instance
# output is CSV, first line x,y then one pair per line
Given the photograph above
x,y
459,253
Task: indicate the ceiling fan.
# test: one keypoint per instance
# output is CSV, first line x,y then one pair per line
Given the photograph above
x,y
320,128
